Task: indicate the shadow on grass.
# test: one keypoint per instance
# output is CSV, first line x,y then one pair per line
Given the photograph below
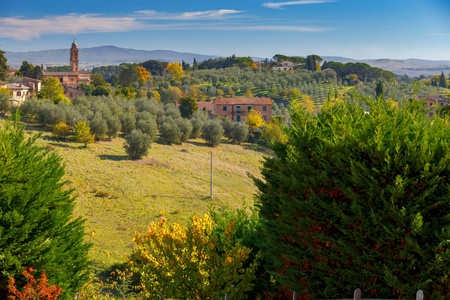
x,y
114,157
37,127
64,145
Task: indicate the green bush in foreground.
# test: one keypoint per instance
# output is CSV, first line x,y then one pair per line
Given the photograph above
x,y
36,224
359,200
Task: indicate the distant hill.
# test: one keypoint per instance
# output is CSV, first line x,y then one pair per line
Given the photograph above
x,y
100,56
411,67
112,55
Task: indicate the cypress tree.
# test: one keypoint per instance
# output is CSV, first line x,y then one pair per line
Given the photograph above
x,y
37,228
443,81
357,200
379,90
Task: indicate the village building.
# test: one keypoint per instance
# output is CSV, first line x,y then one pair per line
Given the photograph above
x,y
237,108
285,66
35,85
71,80
206,106
19,92
434,102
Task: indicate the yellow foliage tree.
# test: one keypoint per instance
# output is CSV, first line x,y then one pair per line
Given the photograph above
x,y
192,263
253,65
176,69
308,103
61,130
83,134
318,67
254,119
193,91
144,75
272,133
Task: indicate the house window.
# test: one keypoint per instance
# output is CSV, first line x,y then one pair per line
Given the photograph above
x,y
19,94
238,109
61,80
264,108
71,79
238,118
248,108
265,118
224,108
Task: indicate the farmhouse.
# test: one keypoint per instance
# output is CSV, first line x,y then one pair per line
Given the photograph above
x,y
285,66
237,108
434,102
19,92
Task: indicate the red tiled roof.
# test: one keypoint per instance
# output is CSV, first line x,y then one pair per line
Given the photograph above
x,y
59,73
207,105
432,97
243,101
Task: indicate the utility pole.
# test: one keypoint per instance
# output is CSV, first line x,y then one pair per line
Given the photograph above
x,y
211,195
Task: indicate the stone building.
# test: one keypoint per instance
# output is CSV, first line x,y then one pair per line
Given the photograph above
x,y
237,108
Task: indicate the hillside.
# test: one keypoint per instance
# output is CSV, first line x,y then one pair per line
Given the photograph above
x,y
112,55
119,196
97,56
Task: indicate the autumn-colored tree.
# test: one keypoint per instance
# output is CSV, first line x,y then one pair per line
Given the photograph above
x,y
352,77
308,103
294,94
33,289
83,134
176,69
254,119
273,132
144,75
248,93
52,89
61,130
253,65
193,91
192,263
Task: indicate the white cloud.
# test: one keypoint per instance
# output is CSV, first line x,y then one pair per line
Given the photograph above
x,y
197,15
277,5
28,29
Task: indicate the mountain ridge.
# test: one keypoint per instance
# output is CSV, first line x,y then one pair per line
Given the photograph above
x,y
113,55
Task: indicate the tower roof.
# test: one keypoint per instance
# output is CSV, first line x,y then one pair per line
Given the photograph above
x,y
74,45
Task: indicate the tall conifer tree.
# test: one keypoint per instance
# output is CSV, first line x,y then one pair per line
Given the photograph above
x,y
37,228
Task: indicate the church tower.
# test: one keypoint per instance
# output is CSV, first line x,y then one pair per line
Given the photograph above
x,y
74,57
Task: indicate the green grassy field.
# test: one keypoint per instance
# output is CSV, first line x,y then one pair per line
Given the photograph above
x,y
119,196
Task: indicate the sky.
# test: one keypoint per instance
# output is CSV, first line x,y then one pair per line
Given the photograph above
x,y
360,29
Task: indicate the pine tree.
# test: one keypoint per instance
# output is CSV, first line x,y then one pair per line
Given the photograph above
x,y
3,66
359,200
37,228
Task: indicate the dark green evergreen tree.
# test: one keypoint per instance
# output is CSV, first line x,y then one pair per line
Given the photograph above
x,y
188,106
379,90
37,73
443,81
37,228
310,63
3,66
359,200
26,69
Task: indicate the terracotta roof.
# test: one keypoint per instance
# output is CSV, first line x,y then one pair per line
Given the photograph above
x,y
24,80
432,97
16,86
207,105
85,72
59,73
243,101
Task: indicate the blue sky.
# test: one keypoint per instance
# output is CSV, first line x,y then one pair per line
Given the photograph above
x,y
351,28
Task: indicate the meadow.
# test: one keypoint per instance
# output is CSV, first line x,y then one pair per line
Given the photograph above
x,y
118,196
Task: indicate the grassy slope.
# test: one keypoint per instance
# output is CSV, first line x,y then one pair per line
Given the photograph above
x,y
119,196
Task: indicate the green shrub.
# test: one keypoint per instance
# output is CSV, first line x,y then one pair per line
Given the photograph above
x,y
356,199
148,126
170,131
185,127
240,132
137,144
212,132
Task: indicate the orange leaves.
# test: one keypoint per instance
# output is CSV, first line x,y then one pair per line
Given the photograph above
x,y
33,290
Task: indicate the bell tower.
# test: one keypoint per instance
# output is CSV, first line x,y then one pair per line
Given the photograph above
x,y
74,57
